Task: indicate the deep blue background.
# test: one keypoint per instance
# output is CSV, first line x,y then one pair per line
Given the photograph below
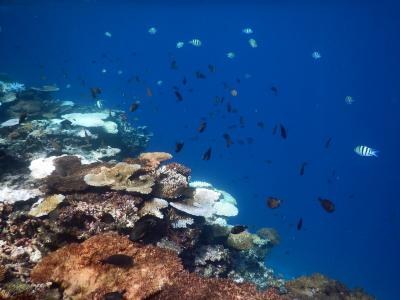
x,y
358,244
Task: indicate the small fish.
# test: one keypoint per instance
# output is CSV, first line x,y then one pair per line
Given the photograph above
x,y
202,126
253,43
349,100
328,143
207,154
99,104
365,151
152,30
134,106
238,229
178,146
228,140
303,165
247,30
316,55
195,42
184,81
95,92
274,90
200,75
241,121
283,131
327,205
234,92
180,44
108,34
229,107
119,260
218,100
260,124
178,96
159,82
230,55
114,296
299,224
274,129
143,228
149,92
273,202
22,117
211,68
174,65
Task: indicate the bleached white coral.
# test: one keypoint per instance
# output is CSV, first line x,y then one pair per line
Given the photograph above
x,y
104,152
182,223
9,123
9,195
42,167
153,207
197,184
225,209
92,120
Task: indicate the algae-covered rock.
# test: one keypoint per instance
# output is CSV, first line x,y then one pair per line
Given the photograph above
x,y
240,241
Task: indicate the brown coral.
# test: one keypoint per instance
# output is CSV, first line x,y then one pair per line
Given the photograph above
x,y
317,286
156,274
170,182
151,160
79,269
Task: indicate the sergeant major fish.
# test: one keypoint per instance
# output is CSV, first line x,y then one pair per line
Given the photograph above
x,y
365,151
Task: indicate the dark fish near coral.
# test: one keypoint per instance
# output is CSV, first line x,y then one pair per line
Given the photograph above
x,y
95,92
328,143
119,260
327,205
142,228
274,90
238,229
211,68
114,296
22,117
260,124
202,126
283,131
178,146
303,165
178,96
273,202
134,106
299,224
207,154
228,140
200,75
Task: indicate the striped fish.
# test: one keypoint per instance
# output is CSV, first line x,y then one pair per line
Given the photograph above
x,y
247,30
365,151
195,42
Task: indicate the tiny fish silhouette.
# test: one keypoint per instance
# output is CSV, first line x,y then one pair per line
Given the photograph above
x,y
283,131
328,143
299,224
228,140
149,92
241,121
184,81
174,65
260,124
22,117
274,129
134,106
273,202
200,75
238,229
327,205
119,260
202,126
303,165
229,107
95,91
178,96
207,154
274,90
178,146
211,68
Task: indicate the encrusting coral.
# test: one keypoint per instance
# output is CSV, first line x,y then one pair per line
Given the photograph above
x,y
156,273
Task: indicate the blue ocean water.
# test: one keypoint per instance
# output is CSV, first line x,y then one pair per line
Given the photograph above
x,y
64,42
